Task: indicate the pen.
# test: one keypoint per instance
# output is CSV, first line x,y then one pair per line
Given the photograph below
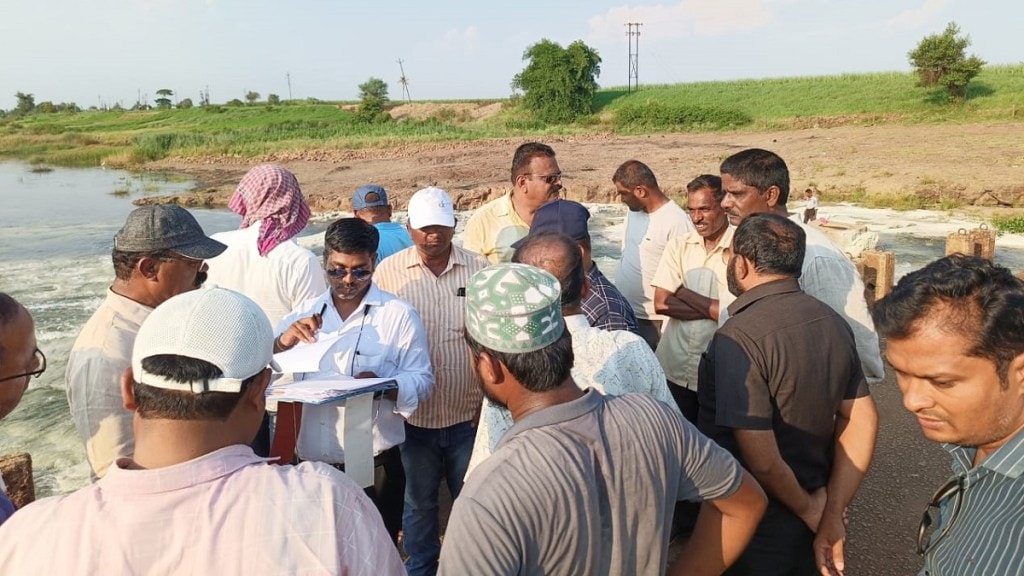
x,y
322,310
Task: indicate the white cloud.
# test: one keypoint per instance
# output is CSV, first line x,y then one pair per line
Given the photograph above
x,y
465,40
688,17
917,17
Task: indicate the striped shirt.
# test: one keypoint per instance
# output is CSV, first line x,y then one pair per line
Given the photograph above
x,y
987,537
440,300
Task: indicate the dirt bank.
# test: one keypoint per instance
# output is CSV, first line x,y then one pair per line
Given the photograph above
x,y
978,164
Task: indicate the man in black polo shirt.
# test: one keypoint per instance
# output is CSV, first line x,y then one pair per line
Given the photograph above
x,y
781,387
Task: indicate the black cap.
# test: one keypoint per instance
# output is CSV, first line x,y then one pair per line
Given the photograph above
x,y
159,227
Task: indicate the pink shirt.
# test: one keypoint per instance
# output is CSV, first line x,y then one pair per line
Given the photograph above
x,y
227,512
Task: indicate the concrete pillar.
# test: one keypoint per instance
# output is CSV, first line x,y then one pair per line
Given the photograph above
x,y
877,269
980,242
17,473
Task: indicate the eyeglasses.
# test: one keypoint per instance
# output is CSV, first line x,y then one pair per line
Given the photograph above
x,y
360,274
930,532
547,178
41,358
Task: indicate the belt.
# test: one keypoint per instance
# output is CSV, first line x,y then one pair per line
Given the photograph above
x,y
378,460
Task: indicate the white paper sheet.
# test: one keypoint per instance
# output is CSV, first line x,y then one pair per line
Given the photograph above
x,y
304,357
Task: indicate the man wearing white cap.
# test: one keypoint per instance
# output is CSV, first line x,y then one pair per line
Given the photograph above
x,y
194,498
431,275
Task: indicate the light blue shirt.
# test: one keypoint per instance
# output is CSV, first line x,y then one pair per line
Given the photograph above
x,y
393,238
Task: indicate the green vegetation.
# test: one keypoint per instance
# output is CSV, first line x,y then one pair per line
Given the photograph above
x,y
1009,224
941,60
69,137
373,96
559,83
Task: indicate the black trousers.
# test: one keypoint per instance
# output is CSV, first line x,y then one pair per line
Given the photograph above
x,y
388,490
782,546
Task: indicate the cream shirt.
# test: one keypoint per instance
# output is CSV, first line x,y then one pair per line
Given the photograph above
x,y
685,262
493,228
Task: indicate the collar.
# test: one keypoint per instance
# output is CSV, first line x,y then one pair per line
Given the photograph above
x,y
773,288
1007,460
216,464
575,323
410,258
126,307
724,243
590,401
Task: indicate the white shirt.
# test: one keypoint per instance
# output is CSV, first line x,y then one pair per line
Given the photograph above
x,y
226,512
284,278
100,355
829,276
612,362
642,245
385,336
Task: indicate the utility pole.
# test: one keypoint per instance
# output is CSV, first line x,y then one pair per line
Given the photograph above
x,y
404,82
288,76
633,38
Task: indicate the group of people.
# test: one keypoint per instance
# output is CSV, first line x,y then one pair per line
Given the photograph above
x,y
728,365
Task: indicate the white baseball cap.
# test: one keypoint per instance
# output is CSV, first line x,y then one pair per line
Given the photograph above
x,y
217,325
431,207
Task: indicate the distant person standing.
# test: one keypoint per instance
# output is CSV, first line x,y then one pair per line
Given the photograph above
x,y
954,335
370,204
652,219
689,288
20,361
811,207
495,226
432,276
262,259
159,253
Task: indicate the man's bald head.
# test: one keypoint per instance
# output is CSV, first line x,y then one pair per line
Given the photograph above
x,y
558,255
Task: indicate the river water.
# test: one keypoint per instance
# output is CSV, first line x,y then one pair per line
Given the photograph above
x,y
56,232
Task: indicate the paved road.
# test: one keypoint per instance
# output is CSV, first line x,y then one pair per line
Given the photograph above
x,y
906,471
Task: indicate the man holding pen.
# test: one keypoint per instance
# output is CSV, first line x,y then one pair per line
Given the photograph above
x,y
377,336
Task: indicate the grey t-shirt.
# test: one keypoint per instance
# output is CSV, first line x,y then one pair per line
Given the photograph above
x,y
585,487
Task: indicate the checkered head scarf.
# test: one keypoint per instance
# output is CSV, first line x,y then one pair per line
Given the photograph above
x,y
514,308
270,193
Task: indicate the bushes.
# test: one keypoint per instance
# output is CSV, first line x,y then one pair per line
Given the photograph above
x,y
1009,224
658,116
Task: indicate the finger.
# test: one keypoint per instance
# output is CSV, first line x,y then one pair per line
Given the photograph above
x,y
303,332
837,557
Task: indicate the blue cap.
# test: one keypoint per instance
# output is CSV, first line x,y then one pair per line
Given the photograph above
x,y
369,196
565,216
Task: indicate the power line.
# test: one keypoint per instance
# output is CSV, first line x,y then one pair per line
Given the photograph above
x,y
633,39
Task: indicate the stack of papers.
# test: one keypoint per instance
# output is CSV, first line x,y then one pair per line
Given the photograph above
x,y
324,391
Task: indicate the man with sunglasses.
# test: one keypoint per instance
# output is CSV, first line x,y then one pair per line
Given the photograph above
x,y
158,254
495,226
20,361
955,337
377,335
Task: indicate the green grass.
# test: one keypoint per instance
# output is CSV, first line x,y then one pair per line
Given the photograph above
x,y
126,138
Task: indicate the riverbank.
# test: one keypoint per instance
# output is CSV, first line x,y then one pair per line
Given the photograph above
x,y
970,167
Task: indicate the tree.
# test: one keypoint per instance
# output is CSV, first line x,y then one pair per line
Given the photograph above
x,y
373,96
185,104
273,99
251,97
163,99
941,60
559,83
26,103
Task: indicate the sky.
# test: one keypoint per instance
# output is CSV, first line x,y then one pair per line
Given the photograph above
x,y
102,52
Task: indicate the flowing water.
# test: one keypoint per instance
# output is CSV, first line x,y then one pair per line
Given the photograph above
x,y
56,232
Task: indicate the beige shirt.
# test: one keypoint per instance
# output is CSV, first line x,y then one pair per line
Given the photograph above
x,y
98,358
441,302
493,228
685,262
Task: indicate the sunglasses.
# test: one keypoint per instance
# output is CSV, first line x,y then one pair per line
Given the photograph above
x,y
33,374
547,178
360,274
930,533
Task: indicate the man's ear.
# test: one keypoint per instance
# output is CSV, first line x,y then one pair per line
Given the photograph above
x,y
744,267
771,196
586,288
128,389
256,393
148,267
490,369
1015,374
640,191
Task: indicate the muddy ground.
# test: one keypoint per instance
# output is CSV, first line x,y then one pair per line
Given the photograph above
x,y
979,164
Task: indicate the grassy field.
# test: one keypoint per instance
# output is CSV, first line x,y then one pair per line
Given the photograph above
x,y
127,138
